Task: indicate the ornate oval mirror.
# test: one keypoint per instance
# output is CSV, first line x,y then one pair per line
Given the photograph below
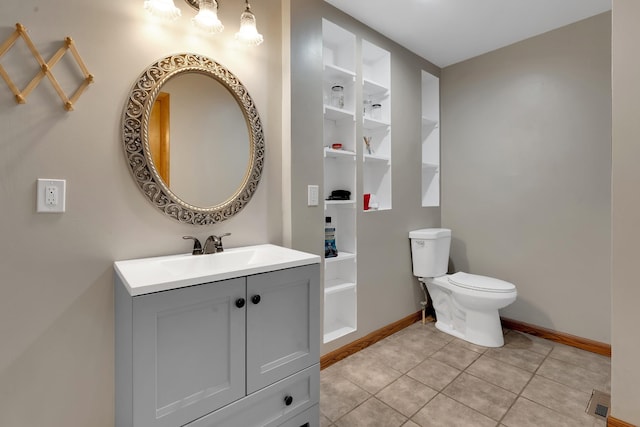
x,y
193,139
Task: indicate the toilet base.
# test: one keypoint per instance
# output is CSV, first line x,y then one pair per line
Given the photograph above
x,y
468,315
480,328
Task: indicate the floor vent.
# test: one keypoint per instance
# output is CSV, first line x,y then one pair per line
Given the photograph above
x,y
599,404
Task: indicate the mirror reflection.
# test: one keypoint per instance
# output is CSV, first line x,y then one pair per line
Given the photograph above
x,y
199,139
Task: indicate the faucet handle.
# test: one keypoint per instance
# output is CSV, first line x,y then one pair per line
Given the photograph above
x,y
197,247
218,241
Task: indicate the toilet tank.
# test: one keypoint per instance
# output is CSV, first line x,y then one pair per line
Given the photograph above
x,y
430,251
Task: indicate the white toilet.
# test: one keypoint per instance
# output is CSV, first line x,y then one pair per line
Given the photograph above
x,y
466,305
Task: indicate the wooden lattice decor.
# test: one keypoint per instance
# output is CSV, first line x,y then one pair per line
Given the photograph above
x,y
45,68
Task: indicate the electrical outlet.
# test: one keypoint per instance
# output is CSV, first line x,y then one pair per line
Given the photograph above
x,y
50,195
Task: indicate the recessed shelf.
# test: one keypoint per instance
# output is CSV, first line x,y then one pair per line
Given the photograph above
x,y
339,202
369,87
337,285
373,124
340,168
335,74
342,256
428,123
339,154
333,113
430,140
375,158
335,334
433,166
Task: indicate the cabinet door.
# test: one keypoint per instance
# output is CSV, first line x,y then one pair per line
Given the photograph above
x,y
188,352
283,324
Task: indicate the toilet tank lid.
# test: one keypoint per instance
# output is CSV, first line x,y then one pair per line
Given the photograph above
x,y
430,233
480,283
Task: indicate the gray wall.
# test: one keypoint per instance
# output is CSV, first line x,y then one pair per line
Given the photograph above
x,y
387,290
625,369
56,276
526,164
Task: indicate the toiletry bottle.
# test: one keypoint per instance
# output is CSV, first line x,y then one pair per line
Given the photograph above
x,y
330,249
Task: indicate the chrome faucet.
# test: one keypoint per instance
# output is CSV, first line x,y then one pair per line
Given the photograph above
x,y
216,242
197,247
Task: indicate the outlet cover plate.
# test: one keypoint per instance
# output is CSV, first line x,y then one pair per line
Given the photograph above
x,y
50,195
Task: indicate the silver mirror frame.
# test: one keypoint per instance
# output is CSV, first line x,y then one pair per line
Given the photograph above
x,y
135,137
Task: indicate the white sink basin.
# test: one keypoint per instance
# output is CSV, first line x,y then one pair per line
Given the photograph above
x,y
143,276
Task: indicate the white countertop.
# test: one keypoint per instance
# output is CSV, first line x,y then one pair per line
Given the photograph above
x,y
147,275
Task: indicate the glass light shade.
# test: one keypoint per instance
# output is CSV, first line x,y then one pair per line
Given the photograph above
x,y
207,17
164,9
248,33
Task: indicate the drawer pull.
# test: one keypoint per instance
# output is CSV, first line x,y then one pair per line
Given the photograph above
x,y
288,400
255,299
240,302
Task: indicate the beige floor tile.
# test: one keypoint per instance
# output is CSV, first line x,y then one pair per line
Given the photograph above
x,y
368,372
392,352
406,395
469,346
424,343
518,357
325,422
454,354
453,383
525,413
515,339
434,374
372,413
338,395
443,411
501,374
428,328
574,376
480,395
587,360
559,397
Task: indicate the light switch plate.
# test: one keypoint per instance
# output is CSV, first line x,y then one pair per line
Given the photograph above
x,y
51,195
312,195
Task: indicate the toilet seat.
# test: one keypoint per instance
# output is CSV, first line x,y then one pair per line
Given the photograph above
x,y
480,283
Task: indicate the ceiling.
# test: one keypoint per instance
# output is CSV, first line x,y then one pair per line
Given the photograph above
x,y
449,31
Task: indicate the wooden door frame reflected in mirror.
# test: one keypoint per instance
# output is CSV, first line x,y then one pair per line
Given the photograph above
x,y
160,135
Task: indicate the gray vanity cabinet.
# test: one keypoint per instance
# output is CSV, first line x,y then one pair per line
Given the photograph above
x,y
238,352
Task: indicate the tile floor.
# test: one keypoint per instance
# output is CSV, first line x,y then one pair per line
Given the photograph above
x,y
421,377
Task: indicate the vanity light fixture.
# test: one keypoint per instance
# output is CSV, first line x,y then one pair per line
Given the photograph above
x,y
207,18
164,9
248,33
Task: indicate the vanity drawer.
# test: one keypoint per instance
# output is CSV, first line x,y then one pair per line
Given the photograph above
x,y
267,407
308,418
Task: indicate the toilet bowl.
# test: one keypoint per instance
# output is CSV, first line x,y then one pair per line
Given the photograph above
x,y
466,305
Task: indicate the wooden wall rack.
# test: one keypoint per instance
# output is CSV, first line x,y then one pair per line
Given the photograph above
x,y
45,68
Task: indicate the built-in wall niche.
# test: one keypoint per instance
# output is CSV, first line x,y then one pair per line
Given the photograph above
x,y
339,165
339,70
430,140
376,127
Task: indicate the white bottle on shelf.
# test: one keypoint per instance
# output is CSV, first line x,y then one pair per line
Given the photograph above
x,y
330,249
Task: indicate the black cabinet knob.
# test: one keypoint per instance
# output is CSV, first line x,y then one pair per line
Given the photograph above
x,y
288,400
255,299
240,302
